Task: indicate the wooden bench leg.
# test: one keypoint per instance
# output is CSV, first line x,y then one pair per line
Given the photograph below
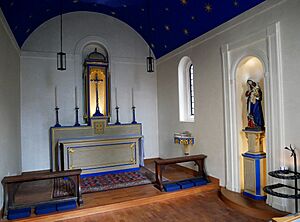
x,y
201,169
5,201
158,175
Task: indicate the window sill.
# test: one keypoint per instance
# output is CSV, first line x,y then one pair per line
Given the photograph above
x,y
190,120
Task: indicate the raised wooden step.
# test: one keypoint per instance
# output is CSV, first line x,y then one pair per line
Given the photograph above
x,y
253,208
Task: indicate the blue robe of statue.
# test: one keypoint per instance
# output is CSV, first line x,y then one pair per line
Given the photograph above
x,y
257,114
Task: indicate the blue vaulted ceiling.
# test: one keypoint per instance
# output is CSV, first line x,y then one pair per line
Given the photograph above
x,y
164,24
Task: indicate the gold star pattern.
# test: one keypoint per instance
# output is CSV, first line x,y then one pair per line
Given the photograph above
x,y
152,29
113,13
152,45
185,31
165,46
235,3
208,7
167,27
184,2
193,17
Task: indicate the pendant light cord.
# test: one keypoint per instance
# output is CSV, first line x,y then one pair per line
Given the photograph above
x,y
149,26
61,25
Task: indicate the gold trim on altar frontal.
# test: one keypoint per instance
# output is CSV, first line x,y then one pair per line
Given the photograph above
x,y
131,160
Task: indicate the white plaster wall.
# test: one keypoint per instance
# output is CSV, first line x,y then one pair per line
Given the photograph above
x,y
10,138
204,51
127,52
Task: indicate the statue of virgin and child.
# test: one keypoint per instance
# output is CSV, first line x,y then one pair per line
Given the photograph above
x,y
254,107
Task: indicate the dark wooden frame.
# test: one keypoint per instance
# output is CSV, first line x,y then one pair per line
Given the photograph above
x,y
11,183
161,163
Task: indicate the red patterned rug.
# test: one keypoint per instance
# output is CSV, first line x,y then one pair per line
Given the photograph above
x,y
114,181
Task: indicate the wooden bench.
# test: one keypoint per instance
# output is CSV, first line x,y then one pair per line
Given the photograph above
x,y
161,163
11,183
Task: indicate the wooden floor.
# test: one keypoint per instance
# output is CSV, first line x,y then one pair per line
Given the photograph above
x,y
146,203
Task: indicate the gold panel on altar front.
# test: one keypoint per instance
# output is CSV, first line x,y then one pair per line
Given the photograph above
x,y
109,155
100,154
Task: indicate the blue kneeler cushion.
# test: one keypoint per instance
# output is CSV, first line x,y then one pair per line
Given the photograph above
x,y
68,205
199,181
169,187
45,208
18,213
185,184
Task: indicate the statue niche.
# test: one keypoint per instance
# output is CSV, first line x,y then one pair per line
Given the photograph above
x,y
96,86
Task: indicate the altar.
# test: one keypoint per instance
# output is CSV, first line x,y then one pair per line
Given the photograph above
x,y
98,148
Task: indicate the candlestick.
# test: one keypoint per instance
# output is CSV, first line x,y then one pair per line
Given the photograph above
x,y
55,96
76,117
56,114
116,96
76,105
133,116
132,97
117,112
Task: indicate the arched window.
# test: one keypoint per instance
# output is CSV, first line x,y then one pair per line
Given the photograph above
x,y
192,96
186,90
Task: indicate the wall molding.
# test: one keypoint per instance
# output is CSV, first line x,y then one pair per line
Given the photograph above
x,y
9,32
266,46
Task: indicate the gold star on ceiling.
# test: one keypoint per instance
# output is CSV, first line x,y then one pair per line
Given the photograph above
x,y
152,45
184,2
185,31
167,27
235,3
208,7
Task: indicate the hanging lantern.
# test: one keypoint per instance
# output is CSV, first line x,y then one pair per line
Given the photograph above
x,y
150,62
61,61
